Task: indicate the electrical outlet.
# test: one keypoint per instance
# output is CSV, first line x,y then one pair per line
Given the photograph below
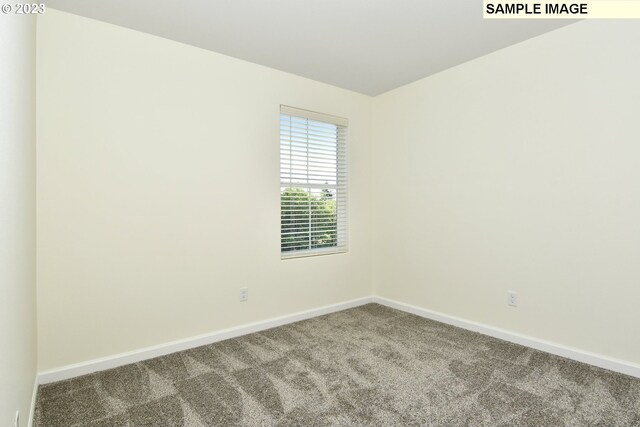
x,y
512,298
16,423
244,294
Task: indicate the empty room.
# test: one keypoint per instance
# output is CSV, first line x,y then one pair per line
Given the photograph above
x,y
319,213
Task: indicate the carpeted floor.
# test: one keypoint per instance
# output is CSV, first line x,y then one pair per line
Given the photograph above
x,y
365,366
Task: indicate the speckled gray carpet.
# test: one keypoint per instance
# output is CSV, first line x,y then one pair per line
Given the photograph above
x,y
366,366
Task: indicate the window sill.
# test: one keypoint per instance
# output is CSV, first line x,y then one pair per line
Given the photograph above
x,y
307,254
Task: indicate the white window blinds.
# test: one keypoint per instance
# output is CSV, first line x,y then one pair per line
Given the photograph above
x,y
313,183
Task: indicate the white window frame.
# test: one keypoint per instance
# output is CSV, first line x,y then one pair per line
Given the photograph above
x,y
312,126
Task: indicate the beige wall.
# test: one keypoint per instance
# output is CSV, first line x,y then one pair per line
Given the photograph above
x,y
17,217
158,192
519,171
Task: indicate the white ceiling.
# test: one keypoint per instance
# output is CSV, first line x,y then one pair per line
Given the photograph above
x,y
369,46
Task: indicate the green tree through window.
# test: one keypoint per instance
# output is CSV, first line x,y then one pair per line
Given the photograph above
x,y
307,221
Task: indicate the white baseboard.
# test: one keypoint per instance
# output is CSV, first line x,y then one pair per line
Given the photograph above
x,y
34,396
121,359
594,359
114,361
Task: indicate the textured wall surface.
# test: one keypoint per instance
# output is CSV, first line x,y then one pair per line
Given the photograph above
x,y
158,192
17,216
518,171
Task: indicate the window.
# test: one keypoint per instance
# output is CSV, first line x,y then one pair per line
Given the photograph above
x,y
313,183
